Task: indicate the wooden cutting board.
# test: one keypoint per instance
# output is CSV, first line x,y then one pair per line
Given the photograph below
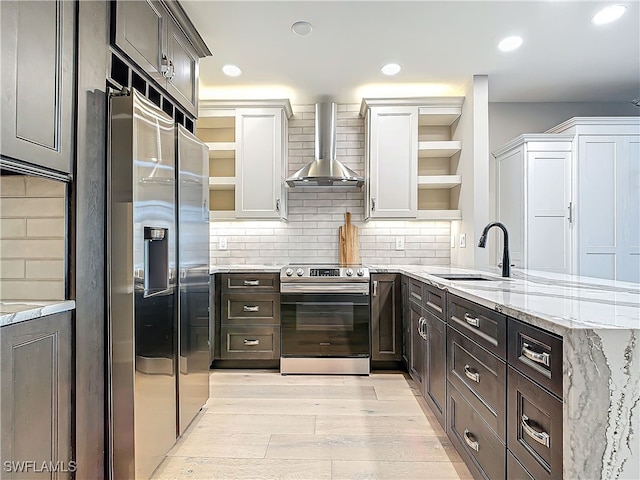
x,y
349,242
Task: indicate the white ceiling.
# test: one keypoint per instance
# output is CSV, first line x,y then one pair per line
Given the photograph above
x,y
439,44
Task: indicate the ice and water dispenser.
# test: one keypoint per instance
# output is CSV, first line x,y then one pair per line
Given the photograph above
x,y
156,260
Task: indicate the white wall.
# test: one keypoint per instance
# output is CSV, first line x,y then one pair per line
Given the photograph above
x,y
473,166
311,234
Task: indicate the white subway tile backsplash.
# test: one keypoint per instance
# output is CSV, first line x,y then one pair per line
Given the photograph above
x,y
315,214
32,229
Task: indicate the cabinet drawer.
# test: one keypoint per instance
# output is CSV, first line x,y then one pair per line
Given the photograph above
x,y
232,282
537,354
252,308
484,326
480,377
416,291
249,343
534,427
433,300
480,447
515,470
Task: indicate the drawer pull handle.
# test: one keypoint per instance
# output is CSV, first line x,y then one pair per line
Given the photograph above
x,y
473,444
475,376
541,437
251,283
473,321
251,342
251,308
543,358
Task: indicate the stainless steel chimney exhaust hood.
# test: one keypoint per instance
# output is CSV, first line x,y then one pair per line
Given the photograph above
x,y
325,170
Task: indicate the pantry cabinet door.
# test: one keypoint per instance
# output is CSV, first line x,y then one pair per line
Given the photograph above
x,y
608,199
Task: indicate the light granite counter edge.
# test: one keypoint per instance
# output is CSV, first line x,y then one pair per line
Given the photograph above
x,y
16,312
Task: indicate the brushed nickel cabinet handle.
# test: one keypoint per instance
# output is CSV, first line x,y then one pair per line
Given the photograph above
x,y
277,204
544,358
473,321
250,308
542,438
251,342
375,288
373,204
251,283
475,376
473,444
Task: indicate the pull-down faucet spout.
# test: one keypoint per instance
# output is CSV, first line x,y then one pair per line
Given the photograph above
x,y
506,262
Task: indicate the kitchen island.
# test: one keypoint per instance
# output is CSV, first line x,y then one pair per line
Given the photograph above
x,y
599,322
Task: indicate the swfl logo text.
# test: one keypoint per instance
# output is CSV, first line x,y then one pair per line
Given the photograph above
x,y
22,466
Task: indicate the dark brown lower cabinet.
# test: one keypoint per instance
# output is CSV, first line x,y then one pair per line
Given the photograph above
x,y
36,381
386,317
534,427
483,452
406,323
417,359
435,375
515,470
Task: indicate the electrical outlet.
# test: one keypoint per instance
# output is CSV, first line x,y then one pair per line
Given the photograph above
x,y
399,243
222,243
463,240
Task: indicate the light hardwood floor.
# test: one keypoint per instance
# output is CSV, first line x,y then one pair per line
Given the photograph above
x,y
262,425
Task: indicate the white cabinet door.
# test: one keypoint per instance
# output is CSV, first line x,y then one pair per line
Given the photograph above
x,y
511,202
549,193
259,150
393,162
608,199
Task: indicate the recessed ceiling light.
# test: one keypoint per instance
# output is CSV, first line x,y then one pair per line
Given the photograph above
x,y
608,14
302,28
510,44
231,70
391,69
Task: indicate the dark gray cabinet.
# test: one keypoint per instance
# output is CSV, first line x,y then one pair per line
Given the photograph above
x,y
435,377
386,317
417,361
38,71
406,323
249,316
36,391
146,32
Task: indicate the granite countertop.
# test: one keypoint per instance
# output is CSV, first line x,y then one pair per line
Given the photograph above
x,y
552,301
244,268
555,302
20,311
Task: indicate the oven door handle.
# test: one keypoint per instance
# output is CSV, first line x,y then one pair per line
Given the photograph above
x,y
360,287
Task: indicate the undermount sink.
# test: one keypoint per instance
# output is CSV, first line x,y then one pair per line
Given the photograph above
x,y
466,277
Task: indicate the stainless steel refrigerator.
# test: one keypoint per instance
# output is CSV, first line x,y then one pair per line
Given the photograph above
x,y
157,364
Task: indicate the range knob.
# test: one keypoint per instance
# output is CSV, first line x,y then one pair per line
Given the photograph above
x,y
299,272
288,272
360,272
349,272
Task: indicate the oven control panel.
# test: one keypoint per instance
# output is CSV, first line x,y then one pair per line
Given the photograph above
x,y
324,272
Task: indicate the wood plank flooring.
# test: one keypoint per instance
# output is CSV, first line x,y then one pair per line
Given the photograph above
x,y
262,425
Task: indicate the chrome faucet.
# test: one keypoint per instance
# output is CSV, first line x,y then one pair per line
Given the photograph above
x,y
506,262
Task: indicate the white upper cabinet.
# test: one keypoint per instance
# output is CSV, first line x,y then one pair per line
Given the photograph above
x,y
247,157
392,162
409,152
571,198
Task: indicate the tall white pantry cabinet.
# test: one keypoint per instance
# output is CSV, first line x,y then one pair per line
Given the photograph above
x,y
570,198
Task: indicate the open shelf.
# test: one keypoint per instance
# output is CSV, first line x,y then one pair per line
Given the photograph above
x,y
439,149
439,215
439,181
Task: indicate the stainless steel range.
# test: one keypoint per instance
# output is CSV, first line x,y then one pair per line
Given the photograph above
x,y
325,319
